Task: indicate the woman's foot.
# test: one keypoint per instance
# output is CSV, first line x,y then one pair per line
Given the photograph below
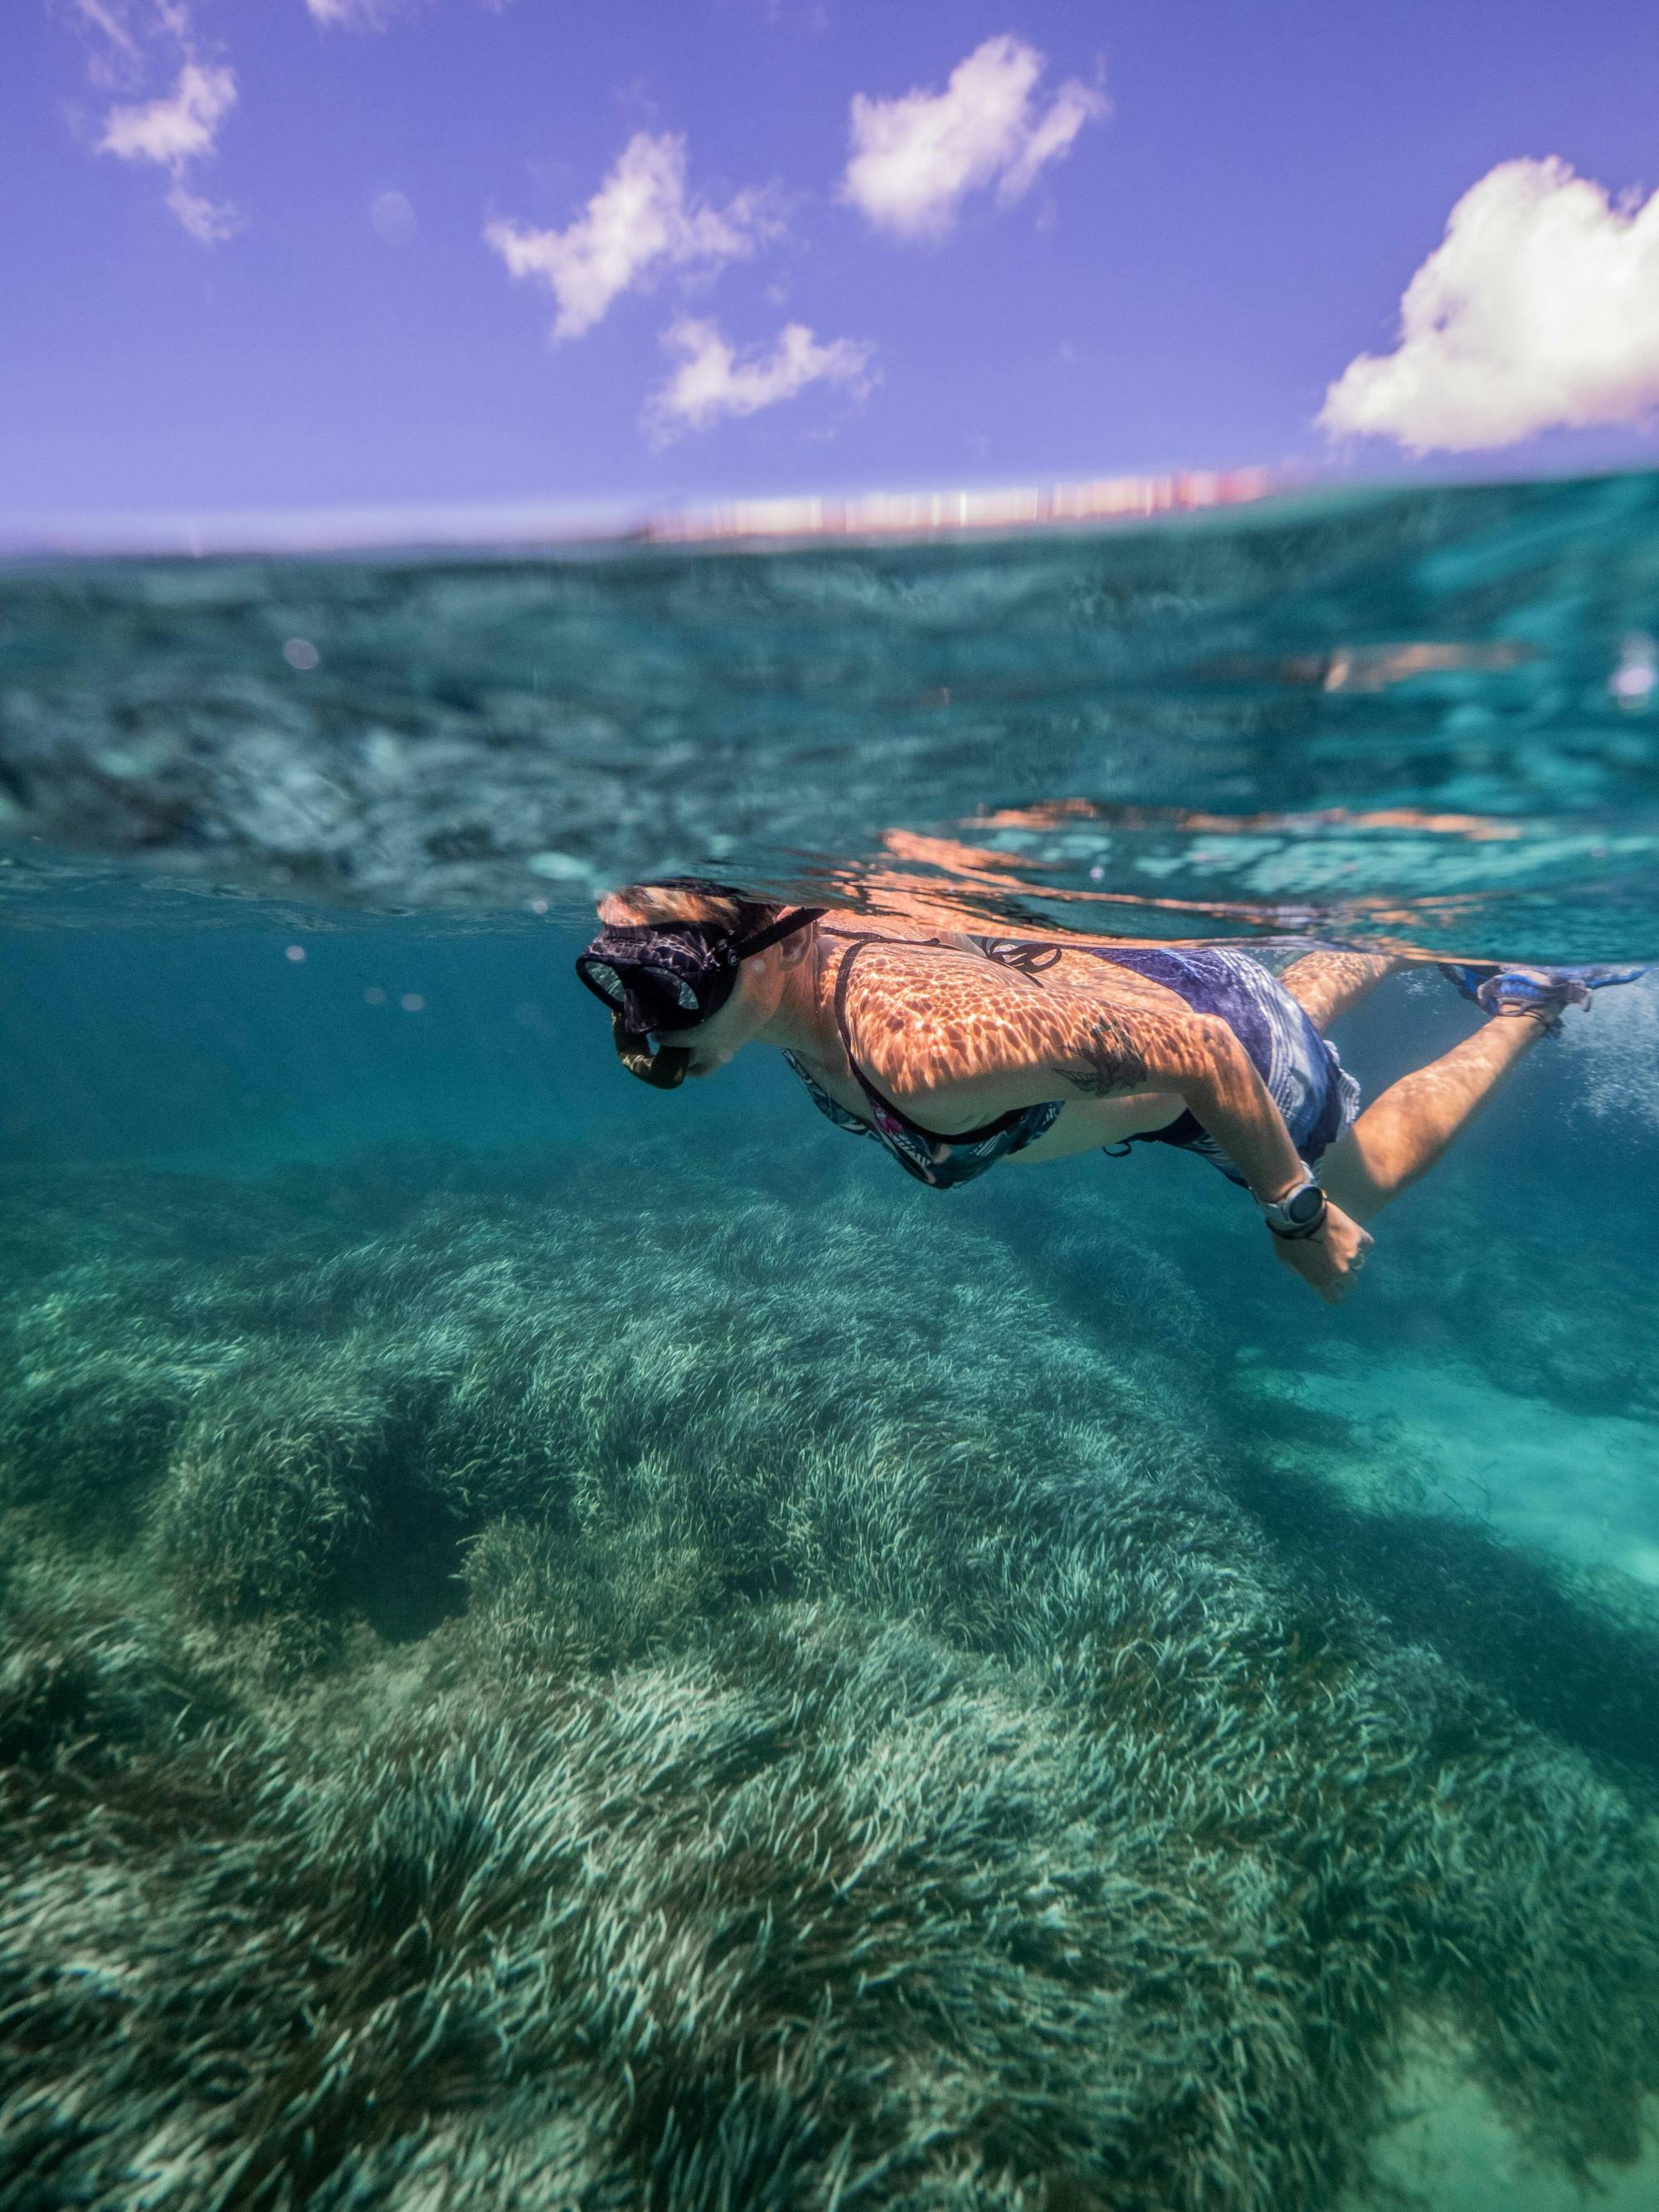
x,y
1543,993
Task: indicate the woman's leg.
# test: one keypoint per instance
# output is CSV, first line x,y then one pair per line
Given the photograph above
x,y
1404,1132
1327,984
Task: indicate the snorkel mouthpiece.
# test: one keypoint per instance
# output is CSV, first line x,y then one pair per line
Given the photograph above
x,y
664,1069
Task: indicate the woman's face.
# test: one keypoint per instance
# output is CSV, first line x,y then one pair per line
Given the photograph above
x,y
713,1042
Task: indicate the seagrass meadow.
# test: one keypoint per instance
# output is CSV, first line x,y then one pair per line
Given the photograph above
x,y
516,1692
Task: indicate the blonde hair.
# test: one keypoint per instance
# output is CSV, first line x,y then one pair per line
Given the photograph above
x,y
667,903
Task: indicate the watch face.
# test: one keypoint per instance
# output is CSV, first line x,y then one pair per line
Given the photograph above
x,y
1304,1206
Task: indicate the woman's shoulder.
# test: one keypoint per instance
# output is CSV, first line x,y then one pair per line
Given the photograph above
x,y
917,1014
873,967
920,1015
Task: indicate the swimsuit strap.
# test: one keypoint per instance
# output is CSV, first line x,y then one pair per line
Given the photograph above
x,y
1026,956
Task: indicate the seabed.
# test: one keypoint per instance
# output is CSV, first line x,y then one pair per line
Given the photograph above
x,y
514,1698
1445,2147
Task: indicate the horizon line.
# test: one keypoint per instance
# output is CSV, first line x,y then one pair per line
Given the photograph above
x,y
415,526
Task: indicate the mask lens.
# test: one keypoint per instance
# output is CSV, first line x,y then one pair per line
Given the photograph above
x,y
599,975
670,1001
653,998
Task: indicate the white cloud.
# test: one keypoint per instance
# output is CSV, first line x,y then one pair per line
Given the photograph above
x,y
355,15
208,222
1540,310
712,381
108,19
130,40
175,131
915,159
639,219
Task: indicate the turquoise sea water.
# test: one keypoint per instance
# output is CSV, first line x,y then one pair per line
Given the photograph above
x,y
561,1645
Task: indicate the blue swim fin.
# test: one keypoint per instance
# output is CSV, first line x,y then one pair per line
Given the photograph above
x,y
1545,992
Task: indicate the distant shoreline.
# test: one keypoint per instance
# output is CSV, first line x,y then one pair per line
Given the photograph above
x,y
527,525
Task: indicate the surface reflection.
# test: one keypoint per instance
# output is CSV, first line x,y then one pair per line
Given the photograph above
x,y
1275,719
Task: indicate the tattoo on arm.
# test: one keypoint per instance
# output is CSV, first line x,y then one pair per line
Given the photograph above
x,y
1103,1058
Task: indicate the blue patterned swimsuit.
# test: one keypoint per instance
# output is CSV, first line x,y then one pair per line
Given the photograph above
x,y
1304,1076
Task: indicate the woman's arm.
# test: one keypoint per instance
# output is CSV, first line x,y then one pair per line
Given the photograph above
x,y
956,1046
1222,1088
957,1043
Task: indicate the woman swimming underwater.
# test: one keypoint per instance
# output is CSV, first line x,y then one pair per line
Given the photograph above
x,y
956,1051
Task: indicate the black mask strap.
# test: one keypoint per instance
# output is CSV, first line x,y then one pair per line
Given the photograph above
x,y
800,917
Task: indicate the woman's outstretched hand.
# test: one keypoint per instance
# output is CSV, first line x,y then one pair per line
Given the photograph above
x,y
1330,1261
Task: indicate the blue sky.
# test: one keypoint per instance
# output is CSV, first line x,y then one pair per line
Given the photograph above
x,y
260,256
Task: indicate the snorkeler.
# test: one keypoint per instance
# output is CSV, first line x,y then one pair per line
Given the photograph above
x,y
956,1051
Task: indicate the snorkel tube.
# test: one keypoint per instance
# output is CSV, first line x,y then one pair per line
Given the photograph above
x,y
664,1069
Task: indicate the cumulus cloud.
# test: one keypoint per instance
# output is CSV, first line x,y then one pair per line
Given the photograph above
x,y
640,220
916,158
1539,311
207,220
180,129
174,131
712,381
129,42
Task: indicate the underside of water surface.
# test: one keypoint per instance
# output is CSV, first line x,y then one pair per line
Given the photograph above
x,y
564,1646
1417,717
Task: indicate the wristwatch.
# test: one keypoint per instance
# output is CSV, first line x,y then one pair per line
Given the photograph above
x,y
1300,1213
